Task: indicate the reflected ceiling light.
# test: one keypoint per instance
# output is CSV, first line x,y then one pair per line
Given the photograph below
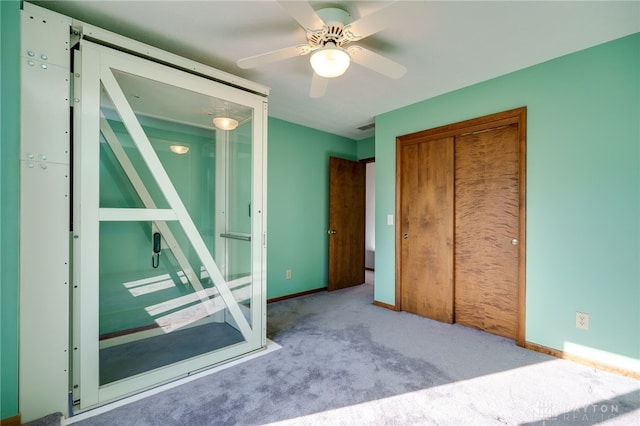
x,y
330,61
179,149
225,123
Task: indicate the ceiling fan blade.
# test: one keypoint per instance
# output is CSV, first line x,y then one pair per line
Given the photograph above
x,y
376,62
394,14
318,86
302,12
273,56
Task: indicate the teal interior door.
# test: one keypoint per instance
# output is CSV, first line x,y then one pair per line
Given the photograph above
x,y
168,225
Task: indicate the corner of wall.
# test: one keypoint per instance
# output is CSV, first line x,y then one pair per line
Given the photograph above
x,y
366,148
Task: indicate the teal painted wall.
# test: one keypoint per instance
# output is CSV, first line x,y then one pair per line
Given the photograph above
x,y
583,189
298,204
366,148
9,199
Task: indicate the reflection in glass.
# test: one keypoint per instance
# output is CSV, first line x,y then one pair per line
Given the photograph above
x,y
158,302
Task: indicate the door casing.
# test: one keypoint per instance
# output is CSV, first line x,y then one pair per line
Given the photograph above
x,y
515,116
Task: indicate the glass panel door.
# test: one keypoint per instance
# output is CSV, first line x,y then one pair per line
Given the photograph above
x,y
169,271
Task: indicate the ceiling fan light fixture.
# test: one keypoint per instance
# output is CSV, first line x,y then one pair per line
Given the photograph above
x,y
330,61
225,123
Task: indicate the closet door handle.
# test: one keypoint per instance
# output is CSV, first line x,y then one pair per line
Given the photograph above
x,y
332,232
405,236
514,242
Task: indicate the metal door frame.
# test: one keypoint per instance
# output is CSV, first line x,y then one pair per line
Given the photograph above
x,y
93,65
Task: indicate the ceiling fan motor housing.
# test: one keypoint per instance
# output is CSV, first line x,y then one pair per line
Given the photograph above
x,y
335,19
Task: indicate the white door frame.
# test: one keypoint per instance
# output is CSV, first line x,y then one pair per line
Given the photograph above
x,y
94,66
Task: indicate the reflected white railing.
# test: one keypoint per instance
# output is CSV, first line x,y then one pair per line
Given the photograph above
x,y
240,288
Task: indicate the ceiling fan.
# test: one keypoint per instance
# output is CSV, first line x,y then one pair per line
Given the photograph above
x,y
330,33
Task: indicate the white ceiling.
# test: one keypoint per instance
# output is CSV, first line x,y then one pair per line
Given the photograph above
x,y
444,45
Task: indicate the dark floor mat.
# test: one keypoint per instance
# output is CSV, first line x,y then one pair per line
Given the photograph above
x,y
129,359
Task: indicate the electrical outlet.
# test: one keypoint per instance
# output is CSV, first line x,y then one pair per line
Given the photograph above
x,y
582,321
288,274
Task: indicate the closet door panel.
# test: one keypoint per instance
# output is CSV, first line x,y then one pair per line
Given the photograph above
x,y
426,270
486,230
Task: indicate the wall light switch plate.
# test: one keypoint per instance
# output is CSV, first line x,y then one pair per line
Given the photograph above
x,y
389,219
582,321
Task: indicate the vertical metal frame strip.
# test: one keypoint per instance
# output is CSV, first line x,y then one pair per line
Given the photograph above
x,y
259,220
86,225
221,198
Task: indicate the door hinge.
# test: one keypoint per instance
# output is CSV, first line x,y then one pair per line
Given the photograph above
x,y
75,35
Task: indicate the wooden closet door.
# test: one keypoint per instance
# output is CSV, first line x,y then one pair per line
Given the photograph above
x,y
426,228
486,230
